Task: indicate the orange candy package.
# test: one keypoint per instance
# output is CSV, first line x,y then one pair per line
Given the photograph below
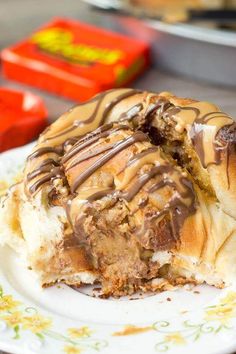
x,y
22,118
75,60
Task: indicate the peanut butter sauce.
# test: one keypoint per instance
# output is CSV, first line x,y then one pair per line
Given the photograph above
x,y
67,144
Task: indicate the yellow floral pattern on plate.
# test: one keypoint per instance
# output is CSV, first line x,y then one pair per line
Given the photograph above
x,y
224,311
7,303
79,332
36,323
19,318
175,338
69,349
216,319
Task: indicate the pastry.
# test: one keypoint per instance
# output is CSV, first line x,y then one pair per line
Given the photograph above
x,y
133,190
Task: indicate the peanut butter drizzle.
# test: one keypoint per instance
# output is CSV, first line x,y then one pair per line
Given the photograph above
x,y
86,117
45,166
181,205
202,121
133,166
56,172
102,132
142,154
131,113
143,179
136,163
114,150
45,150
131,192
76,123
100,194
178,206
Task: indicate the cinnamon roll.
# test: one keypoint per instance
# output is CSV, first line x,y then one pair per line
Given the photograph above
x,y
132,189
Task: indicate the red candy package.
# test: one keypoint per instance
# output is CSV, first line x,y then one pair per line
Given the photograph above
x,y
75,60
22,118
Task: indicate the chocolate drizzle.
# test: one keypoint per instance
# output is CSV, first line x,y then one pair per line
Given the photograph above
x,y
70,134
114,102
99,108
101,194
197,127
45,150
78,140
45,166
98,100
56,172
177,208
115,149
120,198
227,138
197,137
138,156
102,132
131,113
181,205
143,179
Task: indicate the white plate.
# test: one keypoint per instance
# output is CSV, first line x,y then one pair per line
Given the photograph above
x,y
62,320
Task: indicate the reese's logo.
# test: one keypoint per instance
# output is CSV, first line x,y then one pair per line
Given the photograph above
x,y
59,43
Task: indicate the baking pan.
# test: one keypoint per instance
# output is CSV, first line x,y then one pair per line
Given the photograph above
x,y
193,50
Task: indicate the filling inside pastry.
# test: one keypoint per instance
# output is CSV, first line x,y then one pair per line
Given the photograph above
x,y
132,190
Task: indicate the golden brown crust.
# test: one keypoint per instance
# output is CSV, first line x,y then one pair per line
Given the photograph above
x,y
212,177
125,199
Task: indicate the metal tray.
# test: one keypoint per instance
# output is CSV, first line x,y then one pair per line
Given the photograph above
x,y
200,52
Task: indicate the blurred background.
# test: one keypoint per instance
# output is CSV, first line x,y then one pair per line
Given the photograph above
x,y
195,58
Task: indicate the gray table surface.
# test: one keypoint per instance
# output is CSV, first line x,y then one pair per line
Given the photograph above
x,y
18,18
